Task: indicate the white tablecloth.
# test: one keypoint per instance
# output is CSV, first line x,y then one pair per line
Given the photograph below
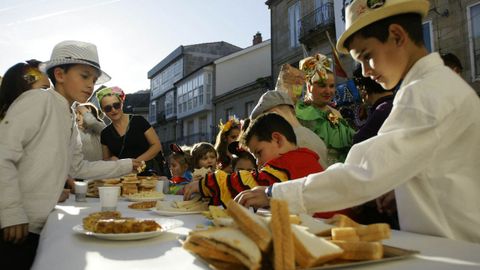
x,y
61,248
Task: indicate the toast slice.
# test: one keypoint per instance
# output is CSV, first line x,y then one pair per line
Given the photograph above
x,y
283,245
360,251
251,224
225,244
311,250
315,226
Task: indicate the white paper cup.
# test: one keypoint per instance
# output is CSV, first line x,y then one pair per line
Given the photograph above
x,y
160,185
80,191
108,198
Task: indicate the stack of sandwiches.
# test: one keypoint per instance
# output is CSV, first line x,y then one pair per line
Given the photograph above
x,y
254,242
92,189
147,183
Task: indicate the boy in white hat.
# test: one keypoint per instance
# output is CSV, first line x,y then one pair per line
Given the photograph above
x,y
40,147
428,149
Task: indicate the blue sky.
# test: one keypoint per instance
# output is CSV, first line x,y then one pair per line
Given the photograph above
x,y
132,36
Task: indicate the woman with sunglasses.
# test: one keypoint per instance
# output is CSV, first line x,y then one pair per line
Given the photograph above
x,y
128,136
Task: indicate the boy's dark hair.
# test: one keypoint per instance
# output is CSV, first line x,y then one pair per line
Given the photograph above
x,y
51,76
410,22
263,127
366,83
452,61
201,149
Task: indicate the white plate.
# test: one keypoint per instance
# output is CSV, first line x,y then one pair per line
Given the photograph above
x,y
167,210
165,223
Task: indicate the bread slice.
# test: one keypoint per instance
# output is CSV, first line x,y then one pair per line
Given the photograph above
x,y
374,232
252,225
360,251
339,220
223,243
345,234
315,226
311,250
283,246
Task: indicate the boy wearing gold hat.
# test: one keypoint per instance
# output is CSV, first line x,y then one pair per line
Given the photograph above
x,y
428,148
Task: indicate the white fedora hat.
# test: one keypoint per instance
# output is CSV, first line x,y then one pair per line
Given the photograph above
x,y
360,13
75,52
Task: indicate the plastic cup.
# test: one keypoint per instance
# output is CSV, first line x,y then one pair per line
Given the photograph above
x,y
160,185
109,198
80,191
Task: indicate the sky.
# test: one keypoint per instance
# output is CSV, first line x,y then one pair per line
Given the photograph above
x,y
132,36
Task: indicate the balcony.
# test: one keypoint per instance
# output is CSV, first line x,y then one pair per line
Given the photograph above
x,y
314,24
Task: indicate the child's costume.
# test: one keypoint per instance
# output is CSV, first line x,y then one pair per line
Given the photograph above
x,y
222,187
177,183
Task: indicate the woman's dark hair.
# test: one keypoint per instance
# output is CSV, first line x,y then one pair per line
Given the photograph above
x,y
411,22
263,127
51,75
365,82
14,83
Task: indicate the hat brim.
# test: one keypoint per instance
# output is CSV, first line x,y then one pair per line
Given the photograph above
x,y
420,7
45,66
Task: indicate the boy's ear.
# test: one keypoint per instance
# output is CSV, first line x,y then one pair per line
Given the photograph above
x,y
58,73
278,138
398,34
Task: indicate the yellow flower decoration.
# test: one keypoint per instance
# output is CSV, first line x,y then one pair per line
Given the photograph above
x,y
232,122
315,68
333,118
32,75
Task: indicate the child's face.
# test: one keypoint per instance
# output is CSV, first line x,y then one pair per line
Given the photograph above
x,y
176,169
382,62
77,83
323,94
43,82
209,160
233,135
244,164
263,151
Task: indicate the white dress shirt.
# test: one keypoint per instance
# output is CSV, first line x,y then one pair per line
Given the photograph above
x,y
428,150
39,147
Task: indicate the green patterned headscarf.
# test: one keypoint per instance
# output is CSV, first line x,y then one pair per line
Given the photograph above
x,y
110,91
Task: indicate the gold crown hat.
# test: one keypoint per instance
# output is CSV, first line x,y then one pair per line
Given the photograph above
x,y
360,13
75,52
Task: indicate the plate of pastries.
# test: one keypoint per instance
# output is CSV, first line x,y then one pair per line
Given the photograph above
x,y
110,225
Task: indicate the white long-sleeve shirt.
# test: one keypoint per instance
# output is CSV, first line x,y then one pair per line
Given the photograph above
x,y
39,147
428,150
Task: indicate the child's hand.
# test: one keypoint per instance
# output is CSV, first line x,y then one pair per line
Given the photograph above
x,y
254,197
138,166
190,189
15,234
197,177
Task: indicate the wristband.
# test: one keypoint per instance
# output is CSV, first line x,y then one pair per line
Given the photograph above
x,y
268,191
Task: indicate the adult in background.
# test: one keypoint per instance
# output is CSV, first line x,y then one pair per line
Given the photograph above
x,y
451,60
316,113
380,102
128,136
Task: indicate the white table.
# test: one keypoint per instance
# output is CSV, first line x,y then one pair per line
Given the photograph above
x,y
61,248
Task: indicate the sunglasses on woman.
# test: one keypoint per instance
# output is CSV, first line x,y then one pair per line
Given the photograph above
x,y
115,106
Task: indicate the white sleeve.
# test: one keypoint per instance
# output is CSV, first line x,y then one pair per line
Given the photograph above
x,y
85,169
19,126
403,148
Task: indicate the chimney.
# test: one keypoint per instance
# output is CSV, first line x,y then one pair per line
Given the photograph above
x,y
257,38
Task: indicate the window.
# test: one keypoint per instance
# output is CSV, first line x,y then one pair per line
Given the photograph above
x,y
152,114
473,17
294,24
249,108
169,104
428,35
